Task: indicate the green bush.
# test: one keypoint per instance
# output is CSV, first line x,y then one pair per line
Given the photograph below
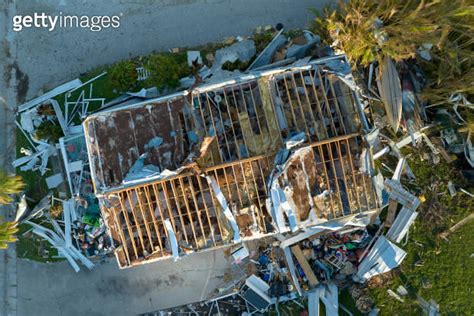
x,y
262,40
166,70
123,75
236,65
50,131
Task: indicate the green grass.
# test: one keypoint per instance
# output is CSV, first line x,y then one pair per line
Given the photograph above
x,y
35,184
434,268
444,273
346,299
287,309
102,87
28,246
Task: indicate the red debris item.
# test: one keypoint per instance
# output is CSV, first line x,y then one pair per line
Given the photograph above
x,y
71,148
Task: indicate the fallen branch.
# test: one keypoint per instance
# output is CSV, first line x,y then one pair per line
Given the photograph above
x,y
461,223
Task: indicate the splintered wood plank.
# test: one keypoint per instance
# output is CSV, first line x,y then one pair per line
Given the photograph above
x,y
198,210
181,185
392,210
178,207
120,232
158,205
211,228
298,253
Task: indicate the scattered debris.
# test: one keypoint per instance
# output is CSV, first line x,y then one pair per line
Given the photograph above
x,y
142,74
54,181
383,257
61,241
194,57
451,188
402,223
395,296
266,56
51,94
390,90
431,308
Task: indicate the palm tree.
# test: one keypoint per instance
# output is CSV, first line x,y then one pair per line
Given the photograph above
x,y
7,234
9,184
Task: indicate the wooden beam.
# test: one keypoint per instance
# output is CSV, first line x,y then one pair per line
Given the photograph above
x,y
198,211
137,222
312,279
181,184
120,231
392,210
129,228
142,210
152,214
178,207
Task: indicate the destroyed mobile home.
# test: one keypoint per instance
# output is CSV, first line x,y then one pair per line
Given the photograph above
x,y
284,150
273,151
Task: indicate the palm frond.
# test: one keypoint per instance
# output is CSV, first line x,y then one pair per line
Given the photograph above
x,y
9,185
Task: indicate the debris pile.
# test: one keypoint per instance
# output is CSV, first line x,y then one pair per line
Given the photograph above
x,y
335,256
60,124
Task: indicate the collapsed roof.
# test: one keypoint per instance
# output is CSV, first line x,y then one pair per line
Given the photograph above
x,y
267,152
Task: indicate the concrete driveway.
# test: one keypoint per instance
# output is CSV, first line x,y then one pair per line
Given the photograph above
x,y
34,60
55,289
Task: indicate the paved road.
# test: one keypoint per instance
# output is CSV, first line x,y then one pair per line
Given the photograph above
x,y
8,76
49,58
56,289
36,60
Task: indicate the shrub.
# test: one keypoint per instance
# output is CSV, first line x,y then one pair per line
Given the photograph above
x,y
166,70
369,30
123,75
50,131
